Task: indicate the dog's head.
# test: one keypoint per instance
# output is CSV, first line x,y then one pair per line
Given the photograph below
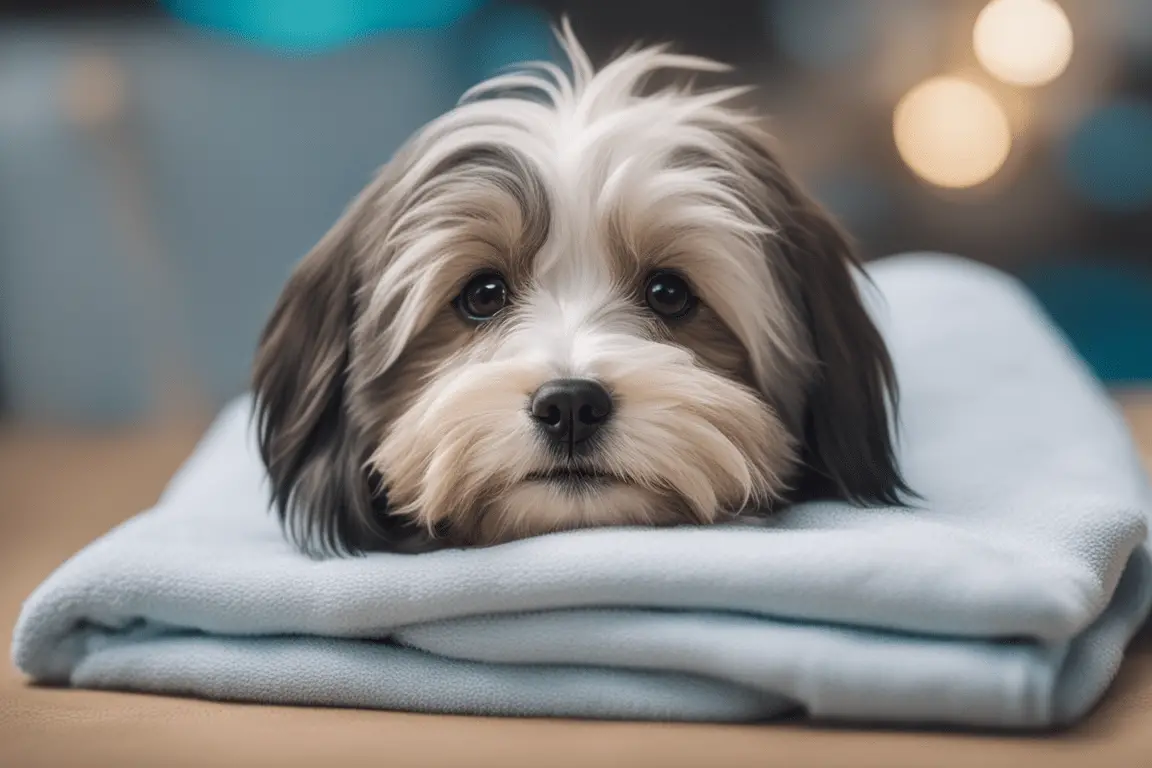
x,y
567,303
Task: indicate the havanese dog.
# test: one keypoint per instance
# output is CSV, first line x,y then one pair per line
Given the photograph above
x,y
572,301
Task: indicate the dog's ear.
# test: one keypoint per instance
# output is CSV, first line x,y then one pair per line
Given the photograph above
x,y
848,419
314,455
300,377
852,400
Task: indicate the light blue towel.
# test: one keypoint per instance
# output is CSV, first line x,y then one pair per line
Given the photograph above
x,y
1006,600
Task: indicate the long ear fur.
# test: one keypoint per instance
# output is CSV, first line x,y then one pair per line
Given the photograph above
x,y
299,381
852,399
314,455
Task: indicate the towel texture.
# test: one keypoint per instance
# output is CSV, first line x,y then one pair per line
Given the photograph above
x,y
1006,599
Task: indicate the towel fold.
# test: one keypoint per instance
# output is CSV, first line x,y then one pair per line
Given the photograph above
x,y
1004,599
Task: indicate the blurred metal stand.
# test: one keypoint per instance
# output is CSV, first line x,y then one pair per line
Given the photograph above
x,y
97,99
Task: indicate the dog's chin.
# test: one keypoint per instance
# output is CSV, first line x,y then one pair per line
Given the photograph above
x,y
562,500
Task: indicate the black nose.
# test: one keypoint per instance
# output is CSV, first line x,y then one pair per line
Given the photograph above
x,y
571,410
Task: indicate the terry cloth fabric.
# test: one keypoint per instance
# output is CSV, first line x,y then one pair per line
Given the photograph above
x,y
1005,599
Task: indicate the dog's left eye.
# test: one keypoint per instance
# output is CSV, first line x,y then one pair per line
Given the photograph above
x,y
483,297
669,295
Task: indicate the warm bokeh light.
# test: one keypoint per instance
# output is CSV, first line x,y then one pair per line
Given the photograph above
x,y
951,132
1023,42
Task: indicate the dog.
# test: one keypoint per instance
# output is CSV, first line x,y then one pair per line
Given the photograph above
x,y
574,300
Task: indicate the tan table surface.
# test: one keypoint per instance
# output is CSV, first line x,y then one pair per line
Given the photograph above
x,y
59,491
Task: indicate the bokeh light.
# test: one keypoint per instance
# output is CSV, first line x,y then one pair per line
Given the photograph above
x,y
1023,42
1104,305
1109,156
314,25
951,132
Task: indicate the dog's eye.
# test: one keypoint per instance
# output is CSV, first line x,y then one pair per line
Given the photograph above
x,y
483,297
668,295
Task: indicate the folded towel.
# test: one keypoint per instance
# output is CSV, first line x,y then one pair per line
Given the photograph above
x,y
1005,599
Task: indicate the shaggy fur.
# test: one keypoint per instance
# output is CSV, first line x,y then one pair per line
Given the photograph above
x,y
389,421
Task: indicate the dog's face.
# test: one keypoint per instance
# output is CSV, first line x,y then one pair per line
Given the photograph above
x,y
568,304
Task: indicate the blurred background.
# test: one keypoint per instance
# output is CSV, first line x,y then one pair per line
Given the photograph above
x,y
163,164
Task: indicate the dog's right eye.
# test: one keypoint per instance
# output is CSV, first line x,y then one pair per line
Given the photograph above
x,y
483,296
669,295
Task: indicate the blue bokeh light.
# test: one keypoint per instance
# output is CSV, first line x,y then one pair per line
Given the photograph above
x,y
1106,311
1109,156
314,25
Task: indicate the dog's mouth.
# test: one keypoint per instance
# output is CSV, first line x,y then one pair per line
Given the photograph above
x,y
574,478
